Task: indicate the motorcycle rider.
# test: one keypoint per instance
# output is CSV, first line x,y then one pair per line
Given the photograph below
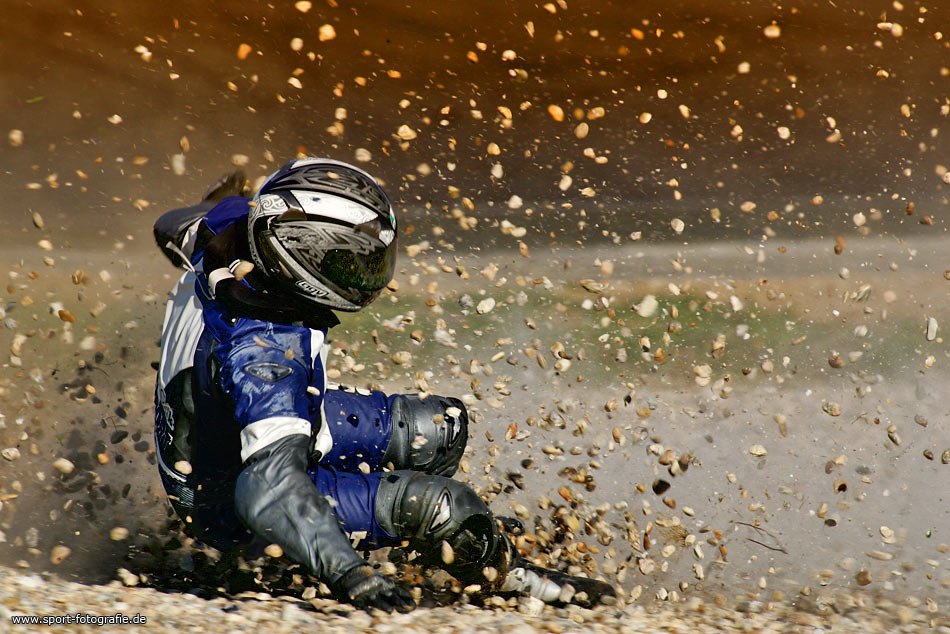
x,y
254,443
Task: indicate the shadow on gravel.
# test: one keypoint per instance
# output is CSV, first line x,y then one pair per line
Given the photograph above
x,y
172,562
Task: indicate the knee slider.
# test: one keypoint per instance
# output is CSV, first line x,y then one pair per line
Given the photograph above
x,y
428,510
428,434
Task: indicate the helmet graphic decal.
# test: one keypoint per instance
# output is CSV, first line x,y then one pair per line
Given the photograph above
x,y
343,181
314,239
270,203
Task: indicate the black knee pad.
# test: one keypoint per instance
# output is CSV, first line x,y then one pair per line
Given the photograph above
x,y
428,510
428,434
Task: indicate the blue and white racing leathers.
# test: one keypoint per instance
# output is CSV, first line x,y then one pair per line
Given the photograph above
x,y
253,441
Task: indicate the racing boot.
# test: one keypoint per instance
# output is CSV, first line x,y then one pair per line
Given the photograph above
x,y
233,184
552,586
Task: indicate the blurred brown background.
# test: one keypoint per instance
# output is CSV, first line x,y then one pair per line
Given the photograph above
x,y
860,90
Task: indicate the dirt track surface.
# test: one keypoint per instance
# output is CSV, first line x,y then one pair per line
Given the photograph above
x,y
806,487
25,595
771,437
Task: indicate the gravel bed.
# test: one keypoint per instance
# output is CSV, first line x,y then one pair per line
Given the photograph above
x,y
47,595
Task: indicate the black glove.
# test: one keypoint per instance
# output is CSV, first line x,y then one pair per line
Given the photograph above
x,y
367,590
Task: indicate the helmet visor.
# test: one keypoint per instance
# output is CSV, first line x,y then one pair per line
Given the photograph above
x,y
325,260
369,273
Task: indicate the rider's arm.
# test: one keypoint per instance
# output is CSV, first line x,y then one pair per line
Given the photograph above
x,y
277,385
276,499
267,376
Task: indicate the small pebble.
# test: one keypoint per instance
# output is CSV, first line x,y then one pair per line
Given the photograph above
x,y
530,606
59,554
406,133
10,453
831,408
485,306
326,33
647,306
448,554
128,578
931,333
63,465
118,533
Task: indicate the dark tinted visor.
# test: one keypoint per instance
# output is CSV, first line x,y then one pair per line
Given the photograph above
x,y
370,272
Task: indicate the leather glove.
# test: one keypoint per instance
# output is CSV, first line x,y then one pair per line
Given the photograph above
x,y
368,590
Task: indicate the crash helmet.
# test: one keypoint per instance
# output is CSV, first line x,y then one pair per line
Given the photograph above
x,y
323,231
